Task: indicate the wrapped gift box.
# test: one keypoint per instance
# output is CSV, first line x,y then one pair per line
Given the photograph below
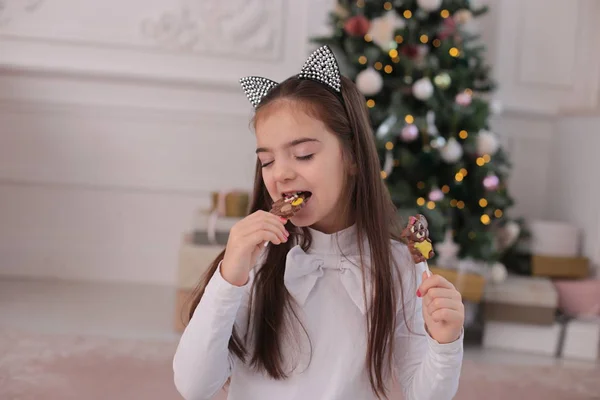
x,y
521,299
582,339
212,228
560,267
555,238
231,204
527,338
469,285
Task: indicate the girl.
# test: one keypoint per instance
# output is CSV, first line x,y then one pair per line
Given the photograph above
x,y
333,307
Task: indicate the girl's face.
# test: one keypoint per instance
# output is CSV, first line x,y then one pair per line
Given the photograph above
x,y
298,153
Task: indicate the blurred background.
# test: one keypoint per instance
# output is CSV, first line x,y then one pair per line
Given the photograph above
x,y
126,155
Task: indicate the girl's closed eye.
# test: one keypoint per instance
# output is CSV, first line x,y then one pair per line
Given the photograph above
x,y
305,158
265,164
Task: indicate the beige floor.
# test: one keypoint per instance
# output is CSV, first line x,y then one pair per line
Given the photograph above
x,y
135,311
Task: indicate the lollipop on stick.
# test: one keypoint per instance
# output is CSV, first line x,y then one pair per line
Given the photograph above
x,y
416,235
287,206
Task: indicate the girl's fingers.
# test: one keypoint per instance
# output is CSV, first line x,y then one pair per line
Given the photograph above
x,y
434,281
266,236
445,293
261,221
441,303
446,315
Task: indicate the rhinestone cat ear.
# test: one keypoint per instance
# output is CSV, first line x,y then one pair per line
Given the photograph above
x,y
256,88
322,66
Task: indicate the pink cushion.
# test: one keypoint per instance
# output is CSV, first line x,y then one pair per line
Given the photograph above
x,y
578,298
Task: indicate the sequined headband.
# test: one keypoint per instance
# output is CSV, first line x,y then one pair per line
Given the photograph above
x,y
321,66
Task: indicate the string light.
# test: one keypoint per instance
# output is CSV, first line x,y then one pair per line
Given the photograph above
x,y
396,59
396,163
368,38
399,39
460,204
387,6
389,145
498,213
483,203
424,39
453,203
370,103
485,219
437,42
445,13
463,134
445,189
454,52
388,69
407,14
487,158
472,235
384,175
469,92
393,53
409,119
480,161
430,205
421,185
362,60
378,66
459,177
420,201
360,3
463,171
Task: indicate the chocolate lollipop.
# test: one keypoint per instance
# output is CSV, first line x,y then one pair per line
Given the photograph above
x,y
416,235
287,206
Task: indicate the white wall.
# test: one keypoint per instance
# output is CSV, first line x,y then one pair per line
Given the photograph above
x,y
574,190
111,137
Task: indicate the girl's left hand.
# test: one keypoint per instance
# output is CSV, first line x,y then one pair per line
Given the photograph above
x,y
443,309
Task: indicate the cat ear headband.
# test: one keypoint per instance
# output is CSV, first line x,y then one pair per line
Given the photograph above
x,y
321,66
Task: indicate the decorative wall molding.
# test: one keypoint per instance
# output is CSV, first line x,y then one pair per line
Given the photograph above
x,y
236,28
11,9
541,70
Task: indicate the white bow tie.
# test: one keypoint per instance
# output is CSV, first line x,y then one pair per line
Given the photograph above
x,y
303,270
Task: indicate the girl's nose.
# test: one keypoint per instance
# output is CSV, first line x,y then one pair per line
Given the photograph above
x,y
283,172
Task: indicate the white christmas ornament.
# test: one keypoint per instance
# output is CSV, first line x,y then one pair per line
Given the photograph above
x,y
382,29
487,142
508,235
463,16
496,107
431,127
389,162
429,5
447,251
369,82
385,127
498,272
422,89
452,151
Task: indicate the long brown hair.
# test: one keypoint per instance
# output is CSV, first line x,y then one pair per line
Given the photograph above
x,y
373,213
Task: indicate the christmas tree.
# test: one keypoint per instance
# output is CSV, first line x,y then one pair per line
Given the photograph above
x,y
428,90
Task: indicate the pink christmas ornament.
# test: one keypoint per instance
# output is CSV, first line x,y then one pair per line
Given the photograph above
x,y
491,182
436,195
409,133
463,99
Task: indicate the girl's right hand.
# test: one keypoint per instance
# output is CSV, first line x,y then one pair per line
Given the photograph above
x,y
246,241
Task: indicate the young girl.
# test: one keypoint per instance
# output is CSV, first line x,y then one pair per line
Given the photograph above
x,y
333,307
